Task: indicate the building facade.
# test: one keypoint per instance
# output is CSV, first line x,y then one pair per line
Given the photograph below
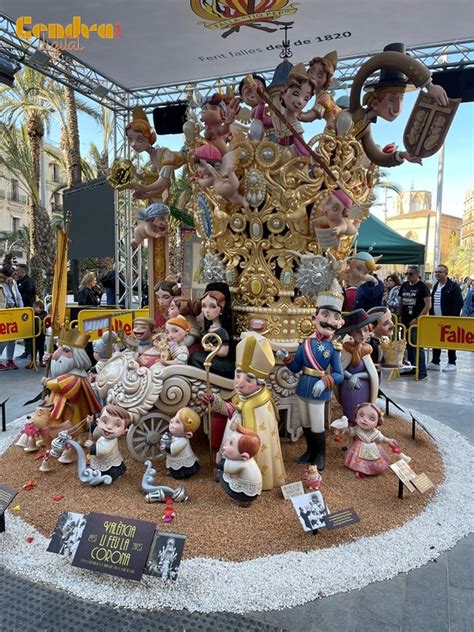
x,y
415,219
14,202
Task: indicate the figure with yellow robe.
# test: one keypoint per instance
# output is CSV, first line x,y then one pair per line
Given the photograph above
x,y
252,406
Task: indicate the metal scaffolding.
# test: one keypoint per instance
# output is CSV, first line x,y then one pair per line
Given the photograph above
x,y
86,80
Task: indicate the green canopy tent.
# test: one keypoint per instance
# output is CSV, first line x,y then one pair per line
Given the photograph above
x,y
378,239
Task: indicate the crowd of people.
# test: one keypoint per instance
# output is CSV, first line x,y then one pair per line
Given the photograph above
x,y
409,300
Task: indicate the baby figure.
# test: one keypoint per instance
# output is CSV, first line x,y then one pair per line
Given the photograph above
x,y
364,456
180,459
333,224
239,473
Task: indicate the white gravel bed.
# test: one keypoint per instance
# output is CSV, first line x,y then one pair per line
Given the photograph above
x,y
274,582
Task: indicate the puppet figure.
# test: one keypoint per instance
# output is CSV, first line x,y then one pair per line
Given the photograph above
x,y
216,310
219,172
313,358
181,461
359,269
361,380
364,456
141,138
296,94
312,478
253,407
321,71
142,335
333,224
153,223
189,309
105,453
381,329
249,94
384,98
164,293
217,113
177,329
239,473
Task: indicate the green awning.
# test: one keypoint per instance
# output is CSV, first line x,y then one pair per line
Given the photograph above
x,y
378,239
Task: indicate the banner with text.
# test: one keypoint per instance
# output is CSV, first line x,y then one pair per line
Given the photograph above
x,y
17,322
96,321
446,332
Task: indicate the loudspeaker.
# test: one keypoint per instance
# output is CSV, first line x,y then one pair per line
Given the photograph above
x,y
170,117
92,228
458,83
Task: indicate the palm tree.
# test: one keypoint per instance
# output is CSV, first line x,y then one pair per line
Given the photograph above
x,y
100,158
20,154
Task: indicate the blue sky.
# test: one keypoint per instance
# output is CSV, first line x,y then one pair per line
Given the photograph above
x,y
459,154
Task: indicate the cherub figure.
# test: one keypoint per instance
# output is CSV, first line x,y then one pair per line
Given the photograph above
x,y
217,113
219,172
333,224
320,72
153,222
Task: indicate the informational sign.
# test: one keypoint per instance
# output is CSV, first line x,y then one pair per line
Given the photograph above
x,y
404,473
115,545
165,555
311,510
342,518
17,322
7,494
422,483
96,321
446,332
292,489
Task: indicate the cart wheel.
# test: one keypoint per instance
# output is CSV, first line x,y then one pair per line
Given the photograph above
x,y
143,439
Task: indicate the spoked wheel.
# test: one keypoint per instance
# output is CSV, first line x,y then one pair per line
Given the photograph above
x,y
143,439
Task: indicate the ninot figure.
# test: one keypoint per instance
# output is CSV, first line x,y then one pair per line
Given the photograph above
x,y
364,456
334,223
105,452
153,222
181,461
313,358
239,473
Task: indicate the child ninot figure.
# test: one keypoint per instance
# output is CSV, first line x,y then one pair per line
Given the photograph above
x,y
217,113
219,172
296,94
177,329
164,293
333,224
239,473
320,72
313,358
153,222
364,456
180,459
105,453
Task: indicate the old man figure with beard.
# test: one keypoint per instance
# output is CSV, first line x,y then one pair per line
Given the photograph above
x,y
69,382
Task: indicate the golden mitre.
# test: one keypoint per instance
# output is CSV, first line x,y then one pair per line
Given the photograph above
x,y
254,355
73,338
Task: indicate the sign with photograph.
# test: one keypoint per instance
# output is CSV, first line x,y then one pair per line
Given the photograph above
x,y
67,533
311,510
292,489
165,555
115,545
342,518
7,494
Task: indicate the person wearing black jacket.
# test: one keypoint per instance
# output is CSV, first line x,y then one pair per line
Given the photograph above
x,y
89,292
446,300
27,290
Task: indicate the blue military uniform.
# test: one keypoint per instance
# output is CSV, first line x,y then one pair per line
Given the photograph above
x,y
324,355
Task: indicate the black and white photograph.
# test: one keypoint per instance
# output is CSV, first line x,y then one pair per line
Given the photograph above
x,y
67,533
310,509
165,555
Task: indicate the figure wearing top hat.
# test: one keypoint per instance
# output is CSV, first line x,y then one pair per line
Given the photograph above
x,y
398,73
253,407
361,380
313,358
